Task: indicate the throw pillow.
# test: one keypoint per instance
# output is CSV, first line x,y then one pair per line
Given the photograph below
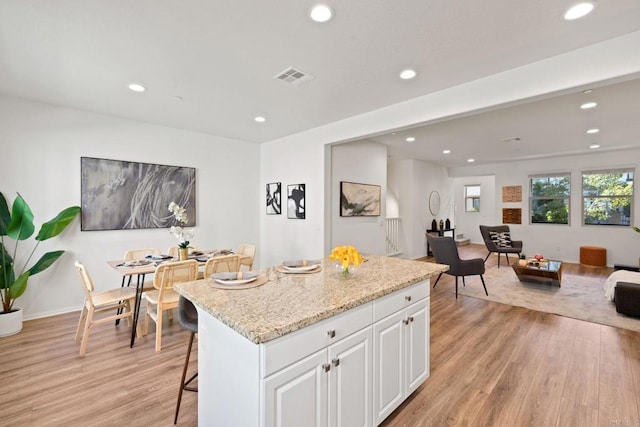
x,y
501,239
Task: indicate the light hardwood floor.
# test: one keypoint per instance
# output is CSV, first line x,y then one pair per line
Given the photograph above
x,y
491,364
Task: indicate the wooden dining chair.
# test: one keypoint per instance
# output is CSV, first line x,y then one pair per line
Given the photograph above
x,y
163,297
119,301
250,252
137,254
222,264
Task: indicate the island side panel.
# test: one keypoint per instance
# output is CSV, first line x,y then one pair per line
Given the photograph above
x,y
228,375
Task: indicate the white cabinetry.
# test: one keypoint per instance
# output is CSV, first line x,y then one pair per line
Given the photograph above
x,y
351,369
330,387
401,349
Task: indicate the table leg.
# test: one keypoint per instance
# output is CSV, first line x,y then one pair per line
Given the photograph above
x,y
136,310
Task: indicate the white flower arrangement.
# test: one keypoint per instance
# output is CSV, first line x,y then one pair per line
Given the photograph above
x,y
183,235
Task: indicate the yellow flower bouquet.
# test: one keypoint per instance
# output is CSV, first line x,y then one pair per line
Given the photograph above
x,y
346,256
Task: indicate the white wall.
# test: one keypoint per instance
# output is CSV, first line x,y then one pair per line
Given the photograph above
x,y
468,223
302,156
363,162
414,181
555,240
41,146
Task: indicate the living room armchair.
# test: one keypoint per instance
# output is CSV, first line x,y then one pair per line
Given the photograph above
x,y
445,251
497,238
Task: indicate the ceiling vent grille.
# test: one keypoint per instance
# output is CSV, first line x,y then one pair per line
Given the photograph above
x,y
294,76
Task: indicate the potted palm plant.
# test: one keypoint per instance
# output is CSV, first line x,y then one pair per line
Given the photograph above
x,y
18,225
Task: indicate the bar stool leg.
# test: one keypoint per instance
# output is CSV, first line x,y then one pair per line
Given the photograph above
x,y
184,384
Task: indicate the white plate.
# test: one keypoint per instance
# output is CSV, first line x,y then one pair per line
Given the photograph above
x,y
235,282
302,268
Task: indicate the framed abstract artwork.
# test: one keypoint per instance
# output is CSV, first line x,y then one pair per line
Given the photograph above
x,y
359,199
121,195
296,201
274,198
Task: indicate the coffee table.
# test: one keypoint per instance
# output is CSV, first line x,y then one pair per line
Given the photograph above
x,y
548,272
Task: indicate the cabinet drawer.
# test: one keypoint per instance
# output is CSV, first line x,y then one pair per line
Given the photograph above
x,y
283,351
400,299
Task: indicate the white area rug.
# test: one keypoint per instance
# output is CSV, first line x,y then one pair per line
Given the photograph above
x,y
579,297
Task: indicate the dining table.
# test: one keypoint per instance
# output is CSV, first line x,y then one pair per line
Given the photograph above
x,y
141,267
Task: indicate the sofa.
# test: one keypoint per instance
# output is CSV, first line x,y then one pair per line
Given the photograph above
x,y
626,293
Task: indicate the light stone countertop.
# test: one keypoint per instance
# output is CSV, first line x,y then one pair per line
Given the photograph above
x,y
288,302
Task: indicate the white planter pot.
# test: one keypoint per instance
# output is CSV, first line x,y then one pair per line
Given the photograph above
x,y
10,323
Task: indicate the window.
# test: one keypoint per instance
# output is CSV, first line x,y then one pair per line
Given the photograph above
x,y
607,197
472,198
549,198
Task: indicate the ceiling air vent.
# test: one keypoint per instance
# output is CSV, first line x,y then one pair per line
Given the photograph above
x,y
293,76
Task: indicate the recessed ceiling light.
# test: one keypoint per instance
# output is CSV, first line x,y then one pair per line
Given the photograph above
x,y
471,160
578,11
593,131
587,91
321,13
407,74
260,119
594,146
410,139
446,151
137,87
588,105
177,98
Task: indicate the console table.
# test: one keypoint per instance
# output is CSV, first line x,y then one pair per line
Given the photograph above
x,y
439,232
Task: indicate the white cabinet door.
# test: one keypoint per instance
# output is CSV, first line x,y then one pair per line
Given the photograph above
x,y
350,380
388,365
417,345
297,395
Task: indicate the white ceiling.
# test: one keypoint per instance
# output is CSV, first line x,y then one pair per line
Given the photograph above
x,y
220,57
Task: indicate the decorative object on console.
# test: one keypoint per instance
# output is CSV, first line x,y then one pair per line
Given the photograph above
x,y
18,225
359,199
447,224
296,204
346,256
441,225
434,225
119,195
274,197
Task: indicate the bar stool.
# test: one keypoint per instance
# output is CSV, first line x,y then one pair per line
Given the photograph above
x,y
188,318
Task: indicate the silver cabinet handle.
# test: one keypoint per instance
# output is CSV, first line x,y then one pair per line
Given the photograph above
x,y
331,333
405,321
336,361
410,318
407,298
326,367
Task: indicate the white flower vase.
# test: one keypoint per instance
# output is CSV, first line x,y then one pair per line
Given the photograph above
x,y
183,254
11,322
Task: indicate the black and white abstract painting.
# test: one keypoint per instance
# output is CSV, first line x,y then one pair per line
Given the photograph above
x,y
359,199
120,195
274,198
295,201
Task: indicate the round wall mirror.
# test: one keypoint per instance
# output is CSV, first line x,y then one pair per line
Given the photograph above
x,y
434,203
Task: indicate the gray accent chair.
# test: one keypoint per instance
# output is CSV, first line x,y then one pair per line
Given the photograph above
x,y
445,251
516,245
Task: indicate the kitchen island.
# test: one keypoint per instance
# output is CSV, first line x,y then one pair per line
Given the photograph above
x,y
315,348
